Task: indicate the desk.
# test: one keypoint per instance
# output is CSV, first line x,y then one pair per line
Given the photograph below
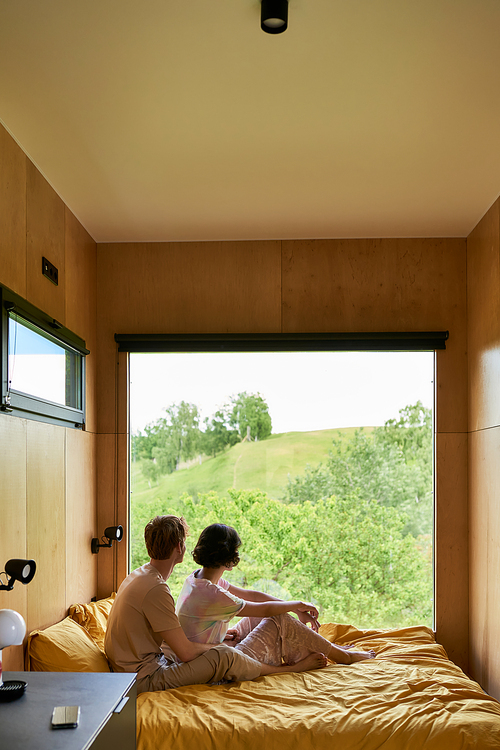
x,y
107,711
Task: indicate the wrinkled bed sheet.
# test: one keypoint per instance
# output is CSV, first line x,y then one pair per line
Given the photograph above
x,y
410,696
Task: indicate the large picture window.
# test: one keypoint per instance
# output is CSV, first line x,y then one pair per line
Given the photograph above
x,y
42,364
322,460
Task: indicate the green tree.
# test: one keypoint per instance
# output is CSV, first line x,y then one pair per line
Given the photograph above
x,y
170,440
151,471
218,435
412,436
392,466
142,445
250,410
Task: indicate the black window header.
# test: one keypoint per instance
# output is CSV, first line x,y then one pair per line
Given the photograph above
x,y
282,342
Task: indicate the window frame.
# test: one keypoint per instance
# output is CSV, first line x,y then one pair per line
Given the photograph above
x,y
25,405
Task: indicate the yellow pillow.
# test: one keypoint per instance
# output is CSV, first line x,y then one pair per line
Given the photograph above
x,y
94,618
64,647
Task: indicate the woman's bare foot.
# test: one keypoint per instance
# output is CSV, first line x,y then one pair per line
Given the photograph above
x,y
361,655
313,661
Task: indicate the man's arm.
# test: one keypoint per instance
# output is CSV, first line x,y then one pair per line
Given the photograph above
x,y
184,649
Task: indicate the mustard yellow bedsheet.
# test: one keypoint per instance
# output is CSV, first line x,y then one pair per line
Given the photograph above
x,y
409,697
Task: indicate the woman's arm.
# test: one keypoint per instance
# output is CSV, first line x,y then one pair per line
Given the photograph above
x,y
309,615
306,612
252,596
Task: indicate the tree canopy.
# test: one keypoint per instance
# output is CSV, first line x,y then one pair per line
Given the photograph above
x,y
392,465
251,413
178,437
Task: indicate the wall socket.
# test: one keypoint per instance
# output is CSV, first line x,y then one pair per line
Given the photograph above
x,y
50,271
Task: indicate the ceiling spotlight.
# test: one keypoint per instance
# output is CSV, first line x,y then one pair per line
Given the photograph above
x,y
274,16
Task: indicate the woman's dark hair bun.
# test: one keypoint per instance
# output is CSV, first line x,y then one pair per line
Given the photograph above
x,y
217,546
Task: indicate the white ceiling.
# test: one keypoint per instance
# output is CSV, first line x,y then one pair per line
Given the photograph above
x,y
161,120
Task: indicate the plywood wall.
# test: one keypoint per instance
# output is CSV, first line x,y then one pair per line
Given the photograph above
x,y
48,474
295,286
483,307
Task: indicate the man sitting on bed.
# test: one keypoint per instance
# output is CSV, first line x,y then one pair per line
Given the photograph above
x,y
144,635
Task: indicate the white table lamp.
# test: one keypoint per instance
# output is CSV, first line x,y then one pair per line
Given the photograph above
x,y
12,632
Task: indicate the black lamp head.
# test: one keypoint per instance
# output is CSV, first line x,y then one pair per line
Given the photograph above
x,y
274,16
112,534
18,570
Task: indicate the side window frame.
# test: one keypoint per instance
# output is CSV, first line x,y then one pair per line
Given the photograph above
x,y
24,405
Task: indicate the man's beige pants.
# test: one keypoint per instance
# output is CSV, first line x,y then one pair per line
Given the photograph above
x,y
219,663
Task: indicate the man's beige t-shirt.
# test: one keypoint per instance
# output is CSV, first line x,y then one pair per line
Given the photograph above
x,y
142,609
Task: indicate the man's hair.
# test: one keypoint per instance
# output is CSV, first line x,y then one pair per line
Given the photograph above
x,y
218,545
162,535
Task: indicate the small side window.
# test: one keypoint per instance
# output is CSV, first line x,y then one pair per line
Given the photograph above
x,y
43,367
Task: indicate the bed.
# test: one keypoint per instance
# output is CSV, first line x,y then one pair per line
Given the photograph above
x,y
411,696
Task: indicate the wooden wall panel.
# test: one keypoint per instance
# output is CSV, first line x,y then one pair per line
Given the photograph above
x,y
483,300
121,551
391,284
480,493
385,285
13,519
484,520
45,238
46,523
12,214
81,487
81,304
195,287
483,308
106,509
452,547
112,451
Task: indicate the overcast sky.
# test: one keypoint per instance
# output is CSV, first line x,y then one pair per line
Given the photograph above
x,y
305,391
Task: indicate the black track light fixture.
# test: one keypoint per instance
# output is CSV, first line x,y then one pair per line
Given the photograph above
x,y
111,534
274,16
18,570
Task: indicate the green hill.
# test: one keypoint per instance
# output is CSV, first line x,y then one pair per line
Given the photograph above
x,y
265,465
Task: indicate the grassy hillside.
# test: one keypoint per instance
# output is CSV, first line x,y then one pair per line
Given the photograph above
x,y
265,465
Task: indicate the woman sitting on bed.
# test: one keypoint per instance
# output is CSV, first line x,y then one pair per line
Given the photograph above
x,y
267,633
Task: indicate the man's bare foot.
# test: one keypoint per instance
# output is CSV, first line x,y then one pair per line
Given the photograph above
x,y
315,660
361,655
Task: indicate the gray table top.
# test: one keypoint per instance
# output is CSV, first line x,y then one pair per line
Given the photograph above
x,y
25,723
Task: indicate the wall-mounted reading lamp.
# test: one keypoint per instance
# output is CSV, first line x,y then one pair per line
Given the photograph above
x,y
111,534
17,570
12,625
